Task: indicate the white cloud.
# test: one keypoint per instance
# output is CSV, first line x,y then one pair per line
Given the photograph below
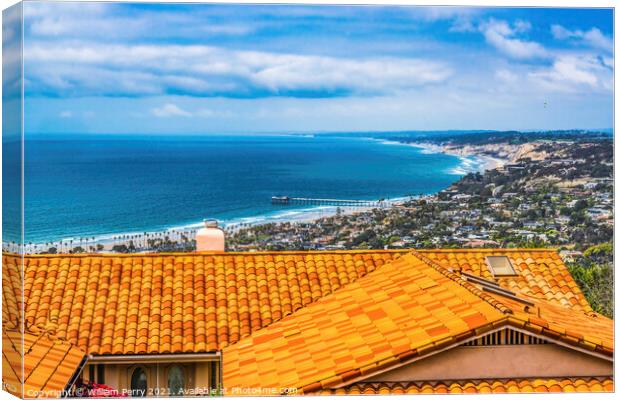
x,y
462,24
596,38
94,69
559,32
170,110
66,114
97,20
503,37
521,26
439,13
570,73
593,38
461,17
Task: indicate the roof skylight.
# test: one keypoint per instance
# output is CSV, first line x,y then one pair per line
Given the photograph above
x,y
500,266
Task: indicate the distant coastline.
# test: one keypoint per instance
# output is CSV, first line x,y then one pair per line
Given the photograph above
x,y
487,162
484,161
184,232
473,158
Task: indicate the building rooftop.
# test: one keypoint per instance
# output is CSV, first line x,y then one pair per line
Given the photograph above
x,y
401,312
313,321
48,367
189,302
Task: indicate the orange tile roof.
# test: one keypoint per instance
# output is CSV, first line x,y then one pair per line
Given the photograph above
x,y
590,331
192,302
405,310
575,326
172,303
541,272
12,295
601,384
48,363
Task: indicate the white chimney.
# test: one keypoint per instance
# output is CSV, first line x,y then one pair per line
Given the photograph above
x,y
210,238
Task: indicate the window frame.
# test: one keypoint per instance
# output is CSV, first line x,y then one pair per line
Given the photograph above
x,y
183,371
132,371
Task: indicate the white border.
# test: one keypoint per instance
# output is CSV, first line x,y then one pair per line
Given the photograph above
x,y
483,3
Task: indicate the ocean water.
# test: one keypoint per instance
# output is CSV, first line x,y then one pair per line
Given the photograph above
x,y
85,186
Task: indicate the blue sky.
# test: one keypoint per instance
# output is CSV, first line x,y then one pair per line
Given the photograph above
x,y
166,68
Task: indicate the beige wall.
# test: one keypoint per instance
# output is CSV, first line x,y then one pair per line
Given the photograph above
x,y
504,361
197,376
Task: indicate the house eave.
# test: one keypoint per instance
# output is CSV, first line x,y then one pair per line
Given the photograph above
x,y
154,358
454,345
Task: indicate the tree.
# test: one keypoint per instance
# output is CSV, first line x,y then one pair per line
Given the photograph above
x,y
600,252
120,248
597,283
580,205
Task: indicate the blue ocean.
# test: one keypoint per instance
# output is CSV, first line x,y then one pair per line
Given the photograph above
x,y
97,185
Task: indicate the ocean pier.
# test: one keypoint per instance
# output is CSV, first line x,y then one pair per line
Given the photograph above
x,y
286,200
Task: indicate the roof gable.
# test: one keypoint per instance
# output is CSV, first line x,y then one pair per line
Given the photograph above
x,y
587,331
405,310
540,385
402,312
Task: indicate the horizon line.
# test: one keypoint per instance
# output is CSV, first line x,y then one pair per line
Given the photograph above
x,y
324,132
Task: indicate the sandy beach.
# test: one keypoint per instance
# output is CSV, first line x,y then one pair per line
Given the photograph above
x,y
179,235
486,161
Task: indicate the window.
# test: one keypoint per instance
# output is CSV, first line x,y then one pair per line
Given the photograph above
x,y
175,381
100,373
213,378
500,266
138,383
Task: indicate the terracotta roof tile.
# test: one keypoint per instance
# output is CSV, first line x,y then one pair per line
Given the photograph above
x,y
409,308
173,303
591,331
193,302
48,363
369,341
12,294
590,384
541,273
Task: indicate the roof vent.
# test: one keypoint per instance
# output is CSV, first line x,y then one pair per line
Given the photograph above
x,y
211,237
500,266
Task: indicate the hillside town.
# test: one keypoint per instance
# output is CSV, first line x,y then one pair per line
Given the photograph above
x,y
552,194
562,201
547,192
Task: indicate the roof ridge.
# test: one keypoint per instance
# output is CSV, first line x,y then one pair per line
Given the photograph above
x,y
492,250
503,308
285,252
